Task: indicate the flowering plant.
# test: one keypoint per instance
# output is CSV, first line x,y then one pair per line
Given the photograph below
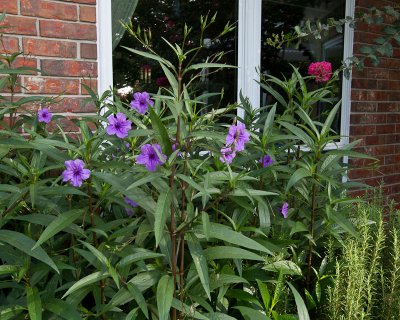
x,y
165,209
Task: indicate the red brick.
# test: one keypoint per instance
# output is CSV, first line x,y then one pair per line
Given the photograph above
x,y
389,107
49,9
364,84
385,128
69,68
66,30
51,85
391,159
9,6
74,105
388,85
378,73
363,107
19,25
91,83
367,118
82,1
9,45
25,62
88,51
51,48
362,130
87,14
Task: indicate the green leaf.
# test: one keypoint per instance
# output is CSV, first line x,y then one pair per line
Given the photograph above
x,y
205,219
9,312
165,291
132,258
8,269
150,56
328,122
224,233
88,280
250,313
99,255
140,300
227,252
9,188
344,223
209,65
63,221
284,266
199,261
301,307
144,180
34,303
62,309
296,177
26,244
264,294
160,131
299,133
161,215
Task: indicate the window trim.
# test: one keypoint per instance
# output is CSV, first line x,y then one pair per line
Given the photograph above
x,y
249,36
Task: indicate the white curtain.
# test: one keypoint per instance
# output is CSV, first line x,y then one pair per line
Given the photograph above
x,y
122,10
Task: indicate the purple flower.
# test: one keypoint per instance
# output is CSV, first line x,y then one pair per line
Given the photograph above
x,y
266,161
238,136
285,209
118,125
227,155
132,203
75,172
141,102
149,156
44,115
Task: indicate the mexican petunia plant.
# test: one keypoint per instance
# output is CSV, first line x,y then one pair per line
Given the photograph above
x,y
156,208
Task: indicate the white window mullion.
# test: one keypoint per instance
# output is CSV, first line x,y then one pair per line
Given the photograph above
x,y
249,50
346,86
104,46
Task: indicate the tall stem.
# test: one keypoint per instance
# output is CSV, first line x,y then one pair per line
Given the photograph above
x,y
172,209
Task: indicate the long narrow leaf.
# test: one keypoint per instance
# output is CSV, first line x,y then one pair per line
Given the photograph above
x,y
26,244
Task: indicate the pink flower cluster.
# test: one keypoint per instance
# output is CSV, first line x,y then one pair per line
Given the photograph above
x,y
322,71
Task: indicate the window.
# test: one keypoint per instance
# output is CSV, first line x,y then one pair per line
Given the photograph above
x,y
256,19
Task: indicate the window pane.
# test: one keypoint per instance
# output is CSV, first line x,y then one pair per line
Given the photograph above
x,y
281,16
166,19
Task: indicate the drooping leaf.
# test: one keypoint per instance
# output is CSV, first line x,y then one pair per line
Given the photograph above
x,y
62,309
200,262
88,280
34,303
26,244
63,221
225,233
298,175
140,300
284,266
161,215
165,290
250,313
227,252
301,307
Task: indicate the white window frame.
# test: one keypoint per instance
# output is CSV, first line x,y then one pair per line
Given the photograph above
x,y
249,53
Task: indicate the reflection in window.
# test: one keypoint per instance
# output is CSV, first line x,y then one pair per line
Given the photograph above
x,y
166,19
281,16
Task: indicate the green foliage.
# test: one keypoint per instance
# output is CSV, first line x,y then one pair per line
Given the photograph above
x,y
367,280
207,239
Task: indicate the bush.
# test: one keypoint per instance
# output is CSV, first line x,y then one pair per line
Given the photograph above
x,y
164,207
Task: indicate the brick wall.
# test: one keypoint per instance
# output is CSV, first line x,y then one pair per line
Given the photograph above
x,y
59,38
375,109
